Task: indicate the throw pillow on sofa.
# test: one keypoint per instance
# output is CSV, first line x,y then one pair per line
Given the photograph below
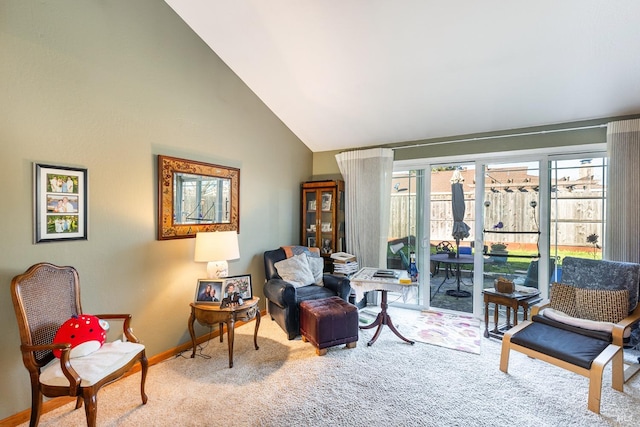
x,y
296,270
316,264
602,305
563,298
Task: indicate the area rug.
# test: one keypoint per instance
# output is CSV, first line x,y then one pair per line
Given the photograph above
x,y
455,331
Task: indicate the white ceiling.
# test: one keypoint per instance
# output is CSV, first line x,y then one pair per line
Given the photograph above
x,y
354,73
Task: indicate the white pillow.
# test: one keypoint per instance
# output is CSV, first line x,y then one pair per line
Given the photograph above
x,y
84,348
317,268
295,270
593,325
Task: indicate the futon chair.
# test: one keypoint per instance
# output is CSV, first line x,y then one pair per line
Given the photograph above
x,y
283,297
584,324
44,298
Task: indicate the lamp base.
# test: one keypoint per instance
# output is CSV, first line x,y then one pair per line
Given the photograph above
x,y
217,269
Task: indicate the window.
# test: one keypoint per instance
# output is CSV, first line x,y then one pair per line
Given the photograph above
x,y
525,214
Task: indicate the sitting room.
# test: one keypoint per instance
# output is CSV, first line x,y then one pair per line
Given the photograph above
x,y
128,128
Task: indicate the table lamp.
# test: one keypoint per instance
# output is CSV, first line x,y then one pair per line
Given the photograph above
x,y
216,248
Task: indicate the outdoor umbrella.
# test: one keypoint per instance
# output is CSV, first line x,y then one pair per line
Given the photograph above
x,y
460,229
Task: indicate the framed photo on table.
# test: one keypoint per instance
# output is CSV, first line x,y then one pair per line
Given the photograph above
x,y
60,205
240,284
208,291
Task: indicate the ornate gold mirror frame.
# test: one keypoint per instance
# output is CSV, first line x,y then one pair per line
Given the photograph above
x,y
195,196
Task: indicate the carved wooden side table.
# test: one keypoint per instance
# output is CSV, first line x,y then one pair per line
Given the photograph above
x,y
510,301
210,315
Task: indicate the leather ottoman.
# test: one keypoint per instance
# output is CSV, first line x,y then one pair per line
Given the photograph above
x,y
328,322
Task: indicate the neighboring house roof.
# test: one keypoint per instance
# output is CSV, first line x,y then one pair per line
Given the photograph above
x,y
496,179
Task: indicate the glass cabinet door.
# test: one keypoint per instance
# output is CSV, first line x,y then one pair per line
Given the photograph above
x,y
310,218
327,222
339,221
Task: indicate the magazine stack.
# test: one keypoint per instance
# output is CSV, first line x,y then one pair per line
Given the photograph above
x,y
344,264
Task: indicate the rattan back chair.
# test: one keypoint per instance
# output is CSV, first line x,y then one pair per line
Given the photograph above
x,y
44,297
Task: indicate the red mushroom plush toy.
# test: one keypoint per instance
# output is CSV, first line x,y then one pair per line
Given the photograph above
x,y
85,333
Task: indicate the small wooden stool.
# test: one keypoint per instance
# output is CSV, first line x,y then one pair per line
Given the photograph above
x,y
328,322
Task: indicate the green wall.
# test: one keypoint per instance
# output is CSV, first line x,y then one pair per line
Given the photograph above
x,y
107,86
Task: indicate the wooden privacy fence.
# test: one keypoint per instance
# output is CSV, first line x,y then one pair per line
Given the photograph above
x,y
578,216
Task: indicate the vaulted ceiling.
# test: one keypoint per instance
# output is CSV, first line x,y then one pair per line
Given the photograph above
x,y
354,73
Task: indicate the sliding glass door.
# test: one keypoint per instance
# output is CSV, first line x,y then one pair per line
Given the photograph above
x,y
404,231
512,231
523,215
451,236
577,215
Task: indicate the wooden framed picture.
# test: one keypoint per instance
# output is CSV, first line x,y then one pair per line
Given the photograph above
x,y
240,284
195,196
60,205
208,291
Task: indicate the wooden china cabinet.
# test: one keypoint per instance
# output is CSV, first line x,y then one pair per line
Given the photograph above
x,y
323,216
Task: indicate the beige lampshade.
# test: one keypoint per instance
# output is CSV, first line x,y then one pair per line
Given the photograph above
x,y
216,248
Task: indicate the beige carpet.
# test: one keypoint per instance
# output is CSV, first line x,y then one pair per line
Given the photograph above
x,y
389,384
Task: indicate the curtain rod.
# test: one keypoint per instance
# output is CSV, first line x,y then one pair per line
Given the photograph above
x,y
481,138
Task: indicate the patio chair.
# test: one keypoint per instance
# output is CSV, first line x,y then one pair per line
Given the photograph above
x,y
45,297
398,259
531,279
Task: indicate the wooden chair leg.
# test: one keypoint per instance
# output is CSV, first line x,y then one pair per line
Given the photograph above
x,y
595,388
36,405
506,345
91,408
144,366
617,371
504,353
612,353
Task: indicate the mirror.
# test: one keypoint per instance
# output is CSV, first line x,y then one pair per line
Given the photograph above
x,y
195,196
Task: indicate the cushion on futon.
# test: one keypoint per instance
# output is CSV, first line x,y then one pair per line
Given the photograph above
x,y
574,348
557,319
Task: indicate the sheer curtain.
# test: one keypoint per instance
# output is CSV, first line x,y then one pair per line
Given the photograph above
x,y
367,176
622,242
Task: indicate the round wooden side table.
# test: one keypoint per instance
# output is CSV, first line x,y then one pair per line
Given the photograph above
x,y
212,314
